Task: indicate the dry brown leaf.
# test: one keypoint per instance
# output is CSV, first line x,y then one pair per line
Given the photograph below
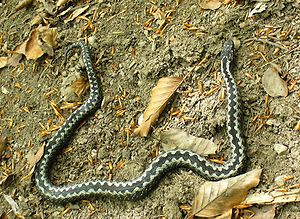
x,y
273,84
210,4
31,48
49,35
33,160
80,86
10,61
3,62
61,2
273,197
14,60
226,2
179,139
226,215
265,212
76,13
36,20
160,96
23,4
41,40
216,198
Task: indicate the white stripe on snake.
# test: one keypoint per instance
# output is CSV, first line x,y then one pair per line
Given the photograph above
x,y
165,162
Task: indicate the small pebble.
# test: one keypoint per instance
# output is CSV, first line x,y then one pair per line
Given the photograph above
x,y
94,154
280,149
4,90
82,140
92,41
140,119
280,180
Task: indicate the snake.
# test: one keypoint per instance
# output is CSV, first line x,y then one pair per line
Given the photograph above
x,y
138,187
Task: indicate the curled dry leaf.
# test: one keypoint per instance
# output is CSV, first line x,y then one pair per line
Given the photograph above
x,y
273,197
216,198
273,84
226,215
31,47
14,60
48,35
160,96
41,40
3,62
76,13
80,86
210,4
33,160
37,19
179,139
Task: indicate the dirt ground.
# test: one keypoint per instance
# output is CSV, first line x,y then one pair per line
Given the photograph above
x,y
135,43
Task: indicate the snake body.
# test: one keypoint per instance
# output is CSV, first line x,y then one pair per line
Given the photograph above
x,y
138,187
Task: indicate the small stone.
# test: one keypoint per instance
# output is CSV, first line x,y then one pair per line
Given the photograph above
x,y
92,41
280,149
273,122
280,180
102,153
273,84
82,140
140,119
94,154
244,24
4,90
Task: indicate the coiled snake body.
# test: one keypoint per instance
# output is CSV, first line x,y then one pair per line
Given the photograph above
x,y
138,187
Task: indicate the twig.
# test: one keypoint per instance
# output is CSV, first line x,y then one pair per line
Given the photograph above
x,y
271,43
288,52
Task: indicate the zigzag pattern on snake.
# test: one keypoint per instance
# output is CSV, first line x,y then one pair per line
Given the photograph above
x,y
139,187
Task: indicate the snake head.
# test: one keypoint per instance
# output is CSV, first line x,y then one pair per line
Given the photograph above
x,y
228,50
